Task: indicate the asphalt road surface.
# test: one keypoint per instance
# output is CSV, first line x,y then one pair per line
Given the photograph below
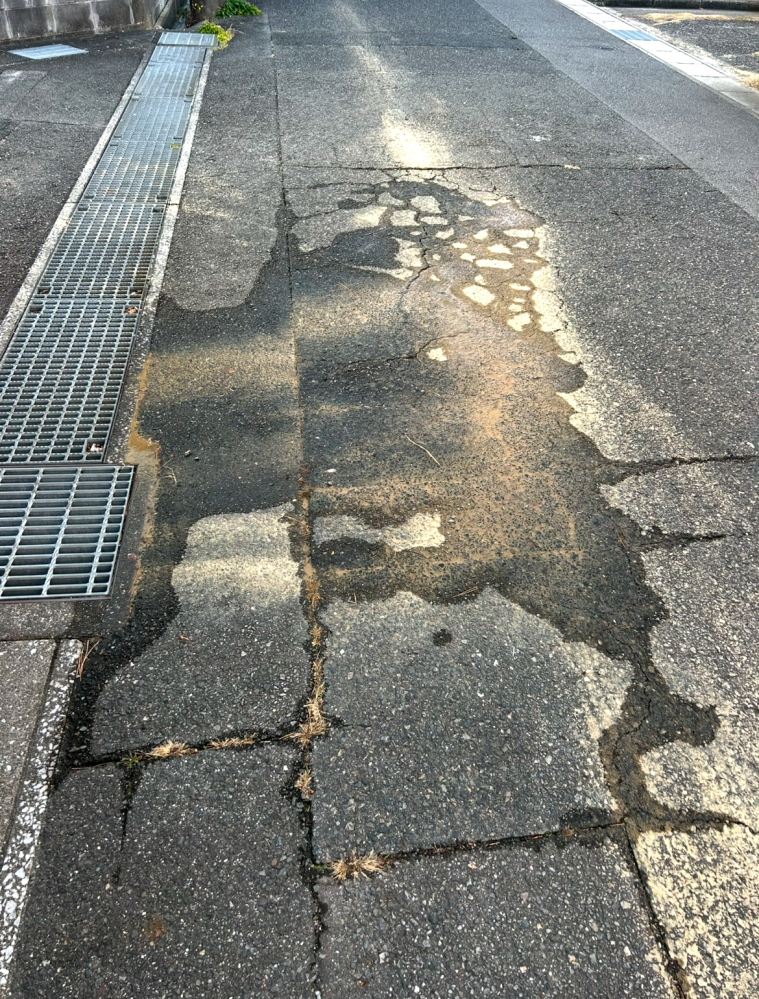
x,y
446,448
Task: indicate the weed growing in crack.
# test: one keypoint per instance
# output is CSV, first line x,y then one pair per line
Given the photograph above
x,y
315,723
234,742
305,786
356,867
169,749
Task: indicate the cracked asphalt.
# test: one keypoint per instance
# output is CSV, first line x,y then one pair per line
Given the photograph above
x,y
442,540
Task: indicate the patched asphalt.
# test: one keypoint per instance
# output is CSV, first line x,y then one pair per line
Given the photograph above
x,y
442,312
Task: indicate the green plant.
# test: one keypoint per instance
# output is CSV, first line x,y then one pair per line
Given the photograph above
x,y
223,35
237,8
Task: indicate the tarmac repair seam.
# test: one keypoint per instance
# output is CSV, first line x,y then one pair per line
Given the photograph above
x,y
702,72
31,804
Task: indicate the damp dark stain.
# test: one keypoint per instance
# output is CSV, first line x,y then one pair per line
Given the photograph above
x,y
476,432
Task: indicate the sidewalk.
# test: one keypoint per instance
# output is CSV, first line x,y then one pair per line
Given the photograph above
x,y
441,545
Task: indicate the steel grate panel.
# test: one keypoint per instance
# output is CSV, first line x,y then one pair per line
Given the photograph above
x,y
61,378
149,117
106,251
60,530
179,38
170,73
140,161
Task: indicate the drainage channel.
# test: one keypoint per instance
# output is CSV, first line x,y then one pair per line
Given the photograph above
x,y
62,510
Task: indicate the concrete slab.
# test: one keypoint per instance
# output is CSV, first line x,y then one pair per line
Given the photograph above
x,y
546,919
69,916
705,891
24,669
204,897
457,724
41,619
706,647
234,657
228,210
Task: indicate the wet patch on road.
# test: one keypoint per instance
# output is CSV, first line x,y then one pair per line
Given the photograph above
x,y
435,366
429,382
218,421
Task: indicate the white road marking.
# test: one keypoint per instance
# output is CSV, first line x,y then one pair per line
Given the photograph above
x,y
702,72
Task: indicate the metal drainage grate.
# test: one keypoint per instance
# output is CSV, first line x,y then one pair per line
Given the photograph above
x,y
140,161
61,378
195,39
62,373
60,530
106,251
48,51
170,73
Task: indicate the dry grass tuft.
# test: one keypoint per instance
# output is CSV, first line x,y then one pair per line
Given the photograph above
x,y
315,723
748,79
318,673
234,742
168,749
311,588
356,867
696,15
305,786
84,654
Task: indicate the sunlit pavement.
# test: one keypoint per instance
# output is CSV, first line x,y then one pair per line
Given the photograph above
x,y
440,567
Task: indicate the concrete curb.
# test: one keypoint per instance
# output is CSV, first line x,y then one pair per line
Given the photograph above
x,y
728,5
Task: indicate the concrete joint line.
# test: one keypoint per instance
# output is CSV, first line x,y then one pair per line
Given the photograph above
x,y
701,72
26,826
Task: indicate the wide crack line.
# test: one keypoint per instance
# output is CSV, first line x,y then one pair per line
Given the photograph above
x,y
676,971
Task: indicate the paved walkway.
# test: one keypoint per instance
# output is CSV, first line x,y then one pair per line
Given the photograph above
x,y
441,546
